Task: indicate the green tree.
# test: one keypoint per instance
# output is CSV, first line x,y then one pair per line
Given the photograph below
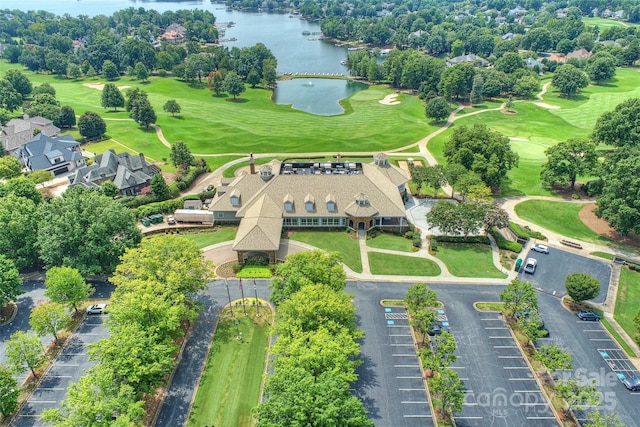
x,y
422,320
253,78
233,84
454,173
479,149
216,82
9,392
112,97
420,297
39,176
21,187
133,96
67,118
526,86
449,389
174,263
566,160
66,286
620,126
10,99
577,393
109,189
582,286
91,125
171,106
509,63
110,71
597,419
20,218
152,364
86,230
519,296
74,71
180,154
553,358
10,283
160,187
9,167
476,89
601,67
532,326
49,318
307,268
24,351
295,397
44,88
20,82
438,108
440,355
142,73
143,113
569,80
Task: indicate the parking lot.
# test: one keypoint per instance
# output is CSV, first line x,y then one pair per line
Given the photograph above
x,y
390,379
596,356
554,267
70,365
499,385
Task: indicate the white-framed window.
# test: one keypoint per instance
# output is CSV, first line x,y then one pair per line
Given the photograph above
x,y
288,206
235,200
308,206
331,206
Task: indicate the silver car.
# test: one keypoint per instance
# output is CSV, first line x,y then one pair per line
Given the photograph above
x,y
543,249
530,265
97,309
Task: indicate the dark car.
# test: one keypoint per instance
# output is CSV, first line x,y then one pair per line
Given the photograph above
x,y
632,383
524,314
588,315
437,328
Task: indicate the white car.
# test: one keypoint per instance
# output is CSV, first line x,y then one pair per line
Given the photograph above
x,y
171,220
96,309
543,249
530,265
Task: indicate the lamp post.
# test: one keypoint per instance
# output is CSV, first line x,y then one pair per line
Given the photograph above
x,y
244,306
255,290
229,294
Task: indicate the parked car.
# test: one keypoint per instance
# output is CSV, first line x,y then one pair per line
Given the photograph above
x,y
530,265
588,315
97,309
171,220
543,249
524,314
632,383
437,328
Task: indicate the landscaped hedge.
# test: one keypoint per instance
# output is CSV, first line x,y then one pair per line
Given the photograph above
x,y
504,243
168,206
525,232
461,239
184,182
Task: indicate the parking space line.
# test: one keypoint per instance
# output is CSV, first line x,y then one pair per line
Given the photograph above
x,y
509,357
541,418
496,327
505,346
68,364
515,367
507,337
406,366
527,391
401,345
470,404
467,418
417,416
51,388
42,401
533,404
490,318
408,378
398,326
404,355
412,389
457,367
414,401
400,335
599,339
59,376
522,379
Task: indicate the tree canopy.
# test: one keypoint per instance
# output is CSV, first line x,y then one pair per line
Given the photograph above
x,y
569,80
481,150
582,286
620,127
65,285
91,125
20,218
180,154
10,283
566,160
86,230
112,97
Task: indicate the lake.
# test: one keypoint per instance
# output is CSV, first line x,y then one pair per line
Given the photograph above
x,y
282,34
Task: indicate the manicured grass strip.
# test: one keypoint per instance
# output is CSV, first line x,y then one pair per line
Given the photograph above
x,y
603,23
254,272
398,265
628,300
207,238
469,260
389,241
559,217
489,306
230,385
604,255
393,302
333,242
617,337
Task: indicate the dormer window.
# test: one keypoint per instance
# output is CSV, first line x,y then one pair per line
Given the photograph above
x,y
234,198
309,203
362,200
331,202
288,203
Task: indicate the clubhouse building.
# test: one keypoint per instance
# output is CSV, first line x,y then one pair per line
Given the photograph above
x,y
309,195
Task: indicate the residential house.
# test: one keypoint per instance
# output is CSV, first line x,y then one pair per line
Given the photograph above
x,y
20,131
175,34
558,57
192,204
470,58
58,155
532,63
129,172
507,36
310,195
579,54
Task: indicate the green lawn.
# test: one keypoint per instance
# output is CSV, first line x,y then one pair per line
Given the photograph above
x,y
230,385
628,300
560,217
207,238
468,260
603,23
331,241
398,265
390,241
255,272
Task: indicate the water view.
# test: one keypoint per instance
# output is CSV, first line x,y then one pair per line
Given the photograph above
x,y
281,33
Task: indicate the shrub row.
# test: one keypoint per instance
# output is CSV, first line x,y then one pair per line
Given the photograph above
x,y
167,206
462,239
504,243
525,232
184,182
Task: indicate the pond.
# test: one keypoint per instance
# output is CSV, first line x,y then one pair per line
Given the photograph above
x,y
316,96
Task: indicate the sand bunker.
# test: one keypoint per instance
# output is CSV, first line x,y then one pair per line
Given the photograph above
x,y
100,86
390,100
545,105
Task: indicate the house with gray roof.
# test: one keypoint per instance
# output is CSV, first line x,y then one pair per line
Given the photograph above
x,y
475,60
57,155
318,195
129,172
532,63
20,131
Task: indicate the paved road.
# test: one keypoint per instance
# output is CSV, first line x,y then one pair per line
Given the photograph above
x,y
554,267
